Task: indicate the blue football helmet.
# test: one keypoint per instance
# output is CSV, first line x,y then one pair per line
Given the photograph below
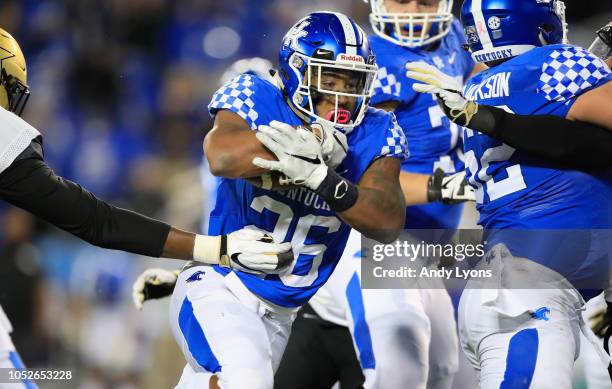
x,y
327,43
501,29
412,29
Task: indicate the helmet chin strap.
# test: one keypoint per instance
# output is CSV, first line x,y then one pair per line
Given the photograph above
x,y
305,118
542,38
278,81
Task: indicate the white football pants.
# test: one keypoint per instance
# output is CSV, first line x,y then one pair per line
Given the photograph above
x,y
520,338
404,338
224,329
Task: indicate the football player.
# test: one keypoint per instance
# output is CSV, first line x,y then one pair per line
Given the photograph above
x,y
26,181
515,331
231,325
427,355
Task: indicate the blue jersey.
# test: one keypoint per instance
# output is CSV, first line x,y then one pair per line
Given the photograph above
x,y
299,215
519,192
434,140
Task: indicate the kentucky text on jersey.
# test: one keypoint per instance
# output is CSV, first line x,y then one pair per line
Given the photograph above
x,y
497,85
306,197
494,56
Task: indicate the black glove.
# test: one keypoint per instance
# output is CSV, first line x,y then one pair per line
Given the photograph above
x,y
449,189
153,284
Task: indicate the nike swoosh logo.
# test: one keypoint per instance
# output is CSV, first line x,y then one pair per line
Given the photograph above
x,y
451,59
315,161
310,316
235,258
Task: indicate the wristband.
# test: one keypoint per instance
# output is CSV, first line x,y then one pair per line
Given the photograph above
x,y
338,192
207,249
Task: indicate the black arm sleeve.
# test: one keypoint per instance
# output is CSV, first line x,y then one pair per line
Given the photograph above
x,y
572,143
30,184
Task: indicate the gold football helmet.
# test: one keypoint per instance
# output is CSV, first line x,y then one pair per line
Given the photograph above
x,y
14,91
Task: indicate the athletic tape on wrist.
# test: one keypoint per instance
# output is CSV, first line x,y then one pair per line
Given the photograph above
x,y
207,249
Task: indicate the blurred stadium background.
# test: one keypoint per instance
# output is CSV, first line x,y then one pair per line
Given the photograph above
x,y
119,91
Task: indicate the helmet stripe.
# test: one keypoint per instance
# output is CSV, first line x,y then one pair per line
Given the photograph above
x,y
481,25
349,33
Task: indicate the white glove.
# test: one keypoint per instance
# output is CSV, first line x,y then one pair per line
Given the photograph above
x,y
253,251
298,151
334,144
449,189
153,284
446,88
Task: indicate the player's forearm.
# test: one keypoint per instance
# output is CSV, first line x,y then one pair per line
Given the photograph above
x,y
31,185
414,187
377,214
230,153
577,144
179,244
377,207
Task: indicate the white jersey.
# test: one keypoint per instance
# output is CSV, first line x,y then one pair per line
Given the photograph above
x,y
15,136
325,305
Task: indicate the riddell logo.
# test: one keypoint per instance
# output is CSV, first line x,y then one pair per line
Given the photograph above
x,y
350,58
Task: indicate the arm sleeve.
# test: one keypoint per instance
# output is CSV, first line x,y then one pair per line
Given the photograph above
x,y
30,184
573,143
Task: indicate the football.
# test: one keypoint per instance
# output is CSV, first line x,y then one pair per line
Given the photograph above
x,y
272,180
277,180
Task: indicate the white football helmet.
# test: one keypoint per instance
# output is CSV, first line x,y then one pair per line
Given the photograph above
x,y
411,29
255,65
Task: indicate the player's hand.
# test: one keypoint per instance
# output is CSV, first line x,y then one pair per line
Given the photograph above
x,y
299,153
334,144
602,45
153,284
449,189
446,88
254,251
